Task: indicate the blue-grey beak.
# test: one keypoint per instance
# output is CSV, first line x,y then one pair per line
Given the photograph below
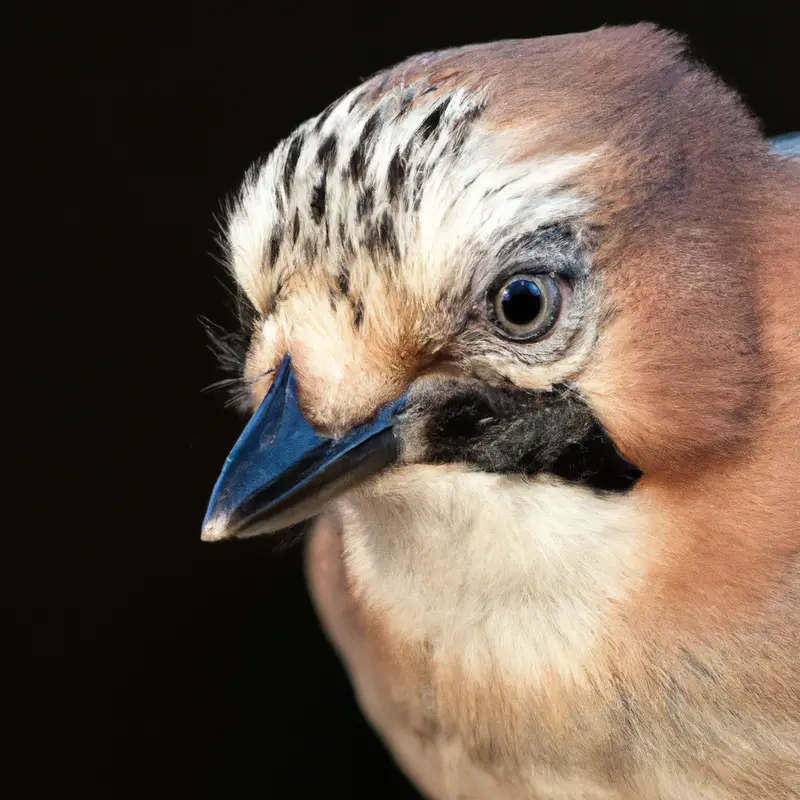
x,y
281,472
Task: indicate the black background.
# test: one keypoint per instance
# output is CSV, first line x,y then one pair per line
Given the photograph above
x,y
151,665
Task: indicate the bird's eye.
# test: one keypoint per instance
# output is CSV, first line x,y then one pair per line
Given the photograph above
x,y
526,306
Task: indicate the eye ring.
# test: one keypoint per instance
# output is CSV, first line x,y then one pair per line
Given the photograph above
x,y
525,306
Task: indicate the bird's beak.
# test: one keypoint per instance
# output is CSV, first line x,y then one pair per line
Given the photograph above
x,y
281,472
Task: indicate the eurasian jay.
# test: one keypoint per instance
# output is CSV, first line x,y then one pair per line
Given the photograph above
x,y
524,317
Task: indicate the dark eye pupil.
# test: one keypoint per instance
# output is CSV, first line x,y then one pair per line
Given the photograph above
x,y
522,302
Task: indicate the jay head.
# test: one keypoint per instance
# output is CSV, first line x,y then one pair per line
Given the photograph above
x,y
524,317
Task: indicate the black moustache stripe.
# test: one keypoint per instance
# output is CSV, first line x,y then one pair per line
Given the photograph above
x,y
515,431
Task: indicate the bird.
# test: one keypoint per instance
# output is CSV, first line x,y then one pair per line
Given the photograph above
x,y
523,317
